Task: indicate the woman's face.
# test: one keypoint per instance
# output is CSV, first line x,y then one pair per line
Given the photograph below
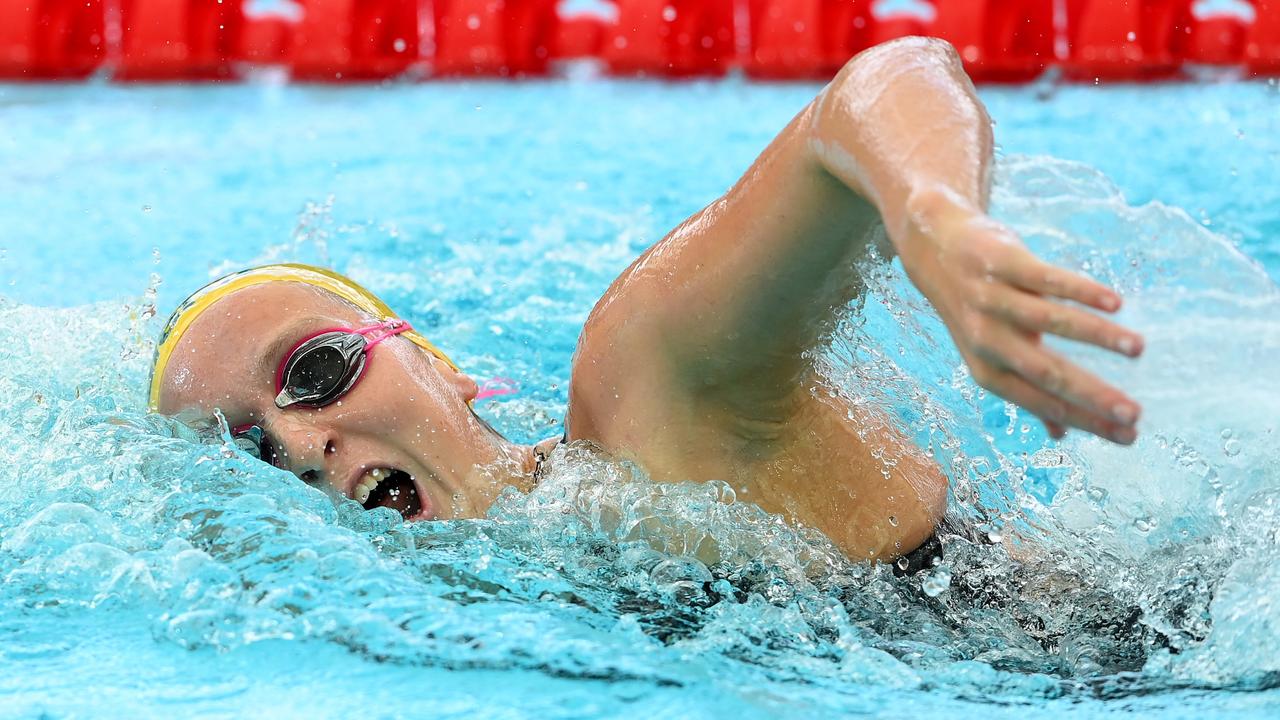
x,y
404,433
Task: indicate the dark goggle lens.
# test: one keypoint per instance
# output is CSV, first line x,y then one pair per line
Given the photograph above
x,y
255,443
318,372
323,369
250,446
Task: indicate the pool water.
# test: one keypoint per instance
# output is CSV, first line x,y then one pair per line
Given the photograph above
x,y
155,566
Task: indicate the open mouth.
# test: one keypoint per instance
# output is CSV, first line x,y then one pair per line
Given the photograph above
x,y
389,487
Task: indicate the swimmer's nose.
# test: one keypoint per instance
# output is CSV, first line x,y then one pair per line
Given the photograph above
x,y
307,451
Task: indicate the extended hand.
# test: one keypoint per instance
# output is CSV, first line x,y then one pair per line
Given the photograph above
x,y
997,300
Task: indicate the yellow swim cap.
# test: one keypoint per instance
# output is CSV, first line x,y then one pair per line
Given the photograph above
x,y
336,283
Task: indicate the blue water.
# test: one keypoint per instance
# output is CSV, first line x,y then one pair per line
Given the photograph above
x,y
172,576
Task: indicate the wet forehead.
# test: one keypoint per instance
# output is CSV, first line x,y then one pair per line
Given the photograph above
x,y
220,361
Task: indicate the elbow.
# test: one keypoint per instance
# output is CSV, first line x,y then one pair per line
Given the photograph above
x,y
880,76
902,55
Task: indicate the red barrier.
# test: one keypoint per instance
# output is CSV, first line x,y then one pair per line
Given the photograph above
x,y
266,39
1262,50
178,39
493,37
636,43
579,36
1139,39
785,39
1216,40
806,38
998,40
893,27
1001,40
43,39
671,37
355,39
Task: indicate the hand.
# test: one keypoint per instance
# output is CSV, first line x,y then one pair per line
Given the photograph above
x,y
997,300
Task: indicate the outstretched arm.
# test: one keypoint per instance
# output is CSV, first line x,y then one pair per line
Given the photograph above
x,y
741,289
921,151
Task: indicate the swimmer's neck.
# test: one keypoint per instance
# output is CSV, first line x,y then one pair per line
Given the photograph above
x,y
512,464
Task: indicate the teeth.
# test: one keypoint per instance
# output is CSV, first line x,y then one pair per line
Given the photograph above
x,y
367,483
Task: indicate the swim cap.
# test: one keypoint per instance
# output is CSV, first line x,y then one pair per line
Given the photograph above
x,y
202,299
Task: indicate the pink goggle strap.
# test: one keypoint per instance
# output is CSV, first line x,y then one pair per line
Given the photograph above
x,y
392,327
498,386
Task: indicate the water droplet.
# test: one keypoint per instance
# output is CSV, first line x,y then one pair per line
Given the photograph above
x,y
1144,524
937,582
1231,448
725,494
146,208
893,520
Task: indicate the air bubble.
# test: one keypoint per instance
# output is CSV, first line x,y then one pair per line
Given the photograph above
x,y
937,581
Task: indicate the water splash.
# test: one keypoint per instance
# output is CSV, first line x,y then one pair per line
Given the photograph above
x,y
1071,572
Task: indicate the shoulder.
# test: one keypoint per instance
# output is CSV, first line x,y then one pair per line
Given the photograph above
x,y
619,369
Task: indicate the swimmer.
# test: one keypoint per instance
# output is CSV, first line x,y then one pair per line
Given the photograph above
x,y
693,364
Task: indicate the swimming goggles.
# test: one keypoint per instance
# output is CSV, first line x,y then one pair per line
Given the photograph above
x,y
324,366
318,371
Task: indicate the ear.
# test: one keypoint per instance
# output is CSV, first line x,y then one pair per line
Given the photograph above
x,y
462,383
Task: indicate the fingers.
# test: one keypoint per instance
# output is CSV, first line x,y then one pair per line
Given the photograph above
x,y
1054,412
1032,274
1065,393
1056,431
1061,378
1037,315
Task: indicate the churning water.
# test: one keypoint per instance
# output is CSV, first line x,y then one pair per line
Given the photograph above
x,y
149,566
